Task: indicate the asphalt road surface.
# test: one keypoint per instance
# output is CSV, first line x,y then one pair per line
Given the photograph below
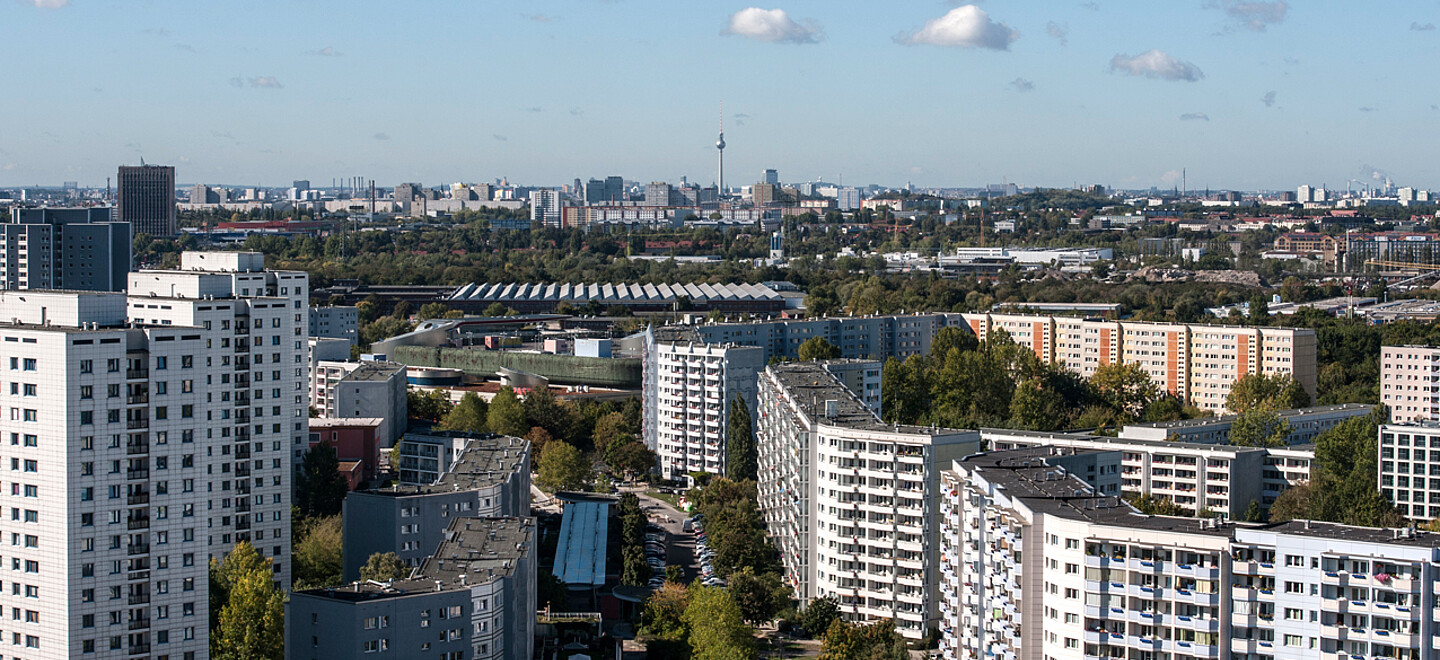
x,y
681,546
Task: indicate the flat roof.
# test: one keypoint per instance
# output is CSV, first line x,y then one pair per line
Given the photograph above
x,y
486,460
1396,536
475,551
1230,419
584,534
374,371
811,386
344,422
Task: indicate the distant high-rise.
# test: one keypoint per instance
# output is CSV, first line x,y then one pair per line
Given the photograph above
x,y
146,195
611,189
848,199
79,249
659,193
772,177
545,206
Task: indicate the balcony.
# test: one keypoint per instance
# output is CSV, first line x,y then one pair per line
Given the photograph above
x,y
141,473
137,549
139,624
137,374
138,498
133,448
139,649
138,523
139,599
137,399
134,424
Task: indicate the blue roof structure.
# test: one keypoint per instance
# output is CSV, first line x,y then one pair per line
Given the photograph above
x,y
580,555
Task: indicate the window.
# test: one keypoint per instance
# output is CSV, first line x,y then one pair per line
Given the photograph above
x,y
87,366
29,364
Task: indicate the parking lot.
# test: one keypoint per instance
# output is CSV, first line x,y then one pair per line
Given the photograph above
x,y
680,547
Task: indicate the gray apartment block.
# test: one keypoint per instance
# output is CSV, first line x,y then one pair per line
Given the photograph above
x,y
872,337
336,322
77,249
490,477
472,599
1305,425
146,199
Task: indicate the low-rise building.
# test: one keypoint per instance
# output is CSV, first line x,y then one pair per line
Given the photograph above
x,y
362,389
491,477
355,440
851,501
473,597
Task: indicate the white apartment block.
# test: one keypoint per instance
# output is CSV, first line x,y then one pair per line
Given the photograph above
x,y
256,323
1409,469
688,389
1197,363
336,322
1198,476
1410,383
850,501
1039,566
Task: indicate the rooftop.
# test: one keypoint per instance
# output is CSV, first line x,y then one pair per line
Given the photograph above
x,y
487,460
812,387
584,535
343,422
1230,419
375,371
1396,536
609,293
475,551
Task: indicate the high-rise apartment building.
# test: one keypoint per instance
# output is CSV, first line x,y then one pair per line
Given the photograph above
x,y
688,388
608,191
1038,565
473,598
257,358
851,502
145,197
362,389
545,207
771,177
1197,363
336,321
1409,469
142,448
659,193
847,199
1410,383
76,249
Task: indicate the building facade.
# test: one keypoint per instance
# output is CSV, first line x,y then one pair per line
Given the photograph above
x,y
145,197
1038,565
688,389
336,322
77,249
1306,424
1409,469
850,501
362,389
1410,383
490,477
473,598
1197,363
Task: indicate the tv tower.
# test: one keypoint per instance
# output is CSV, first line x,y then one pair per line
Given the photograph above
x,y
720,146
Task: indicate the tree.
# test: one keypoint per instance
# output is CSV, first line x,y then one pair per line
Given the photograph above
x,y
1253,512
636,570
876,641
1259,427
665,611
1259,310
717,631
816,348
247,610
1292,504
630,457
544,410
433,310
1127,388
383,567
316,555
1155,506
1276,392
430,405
320,489
741,453
760,597
497,309
538,438
1037,408
563,467
608,427
471,415
817,615
506,415
552,594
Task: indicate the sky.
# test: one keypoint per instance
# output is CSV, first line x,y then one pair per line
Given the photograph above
x,y
1238,94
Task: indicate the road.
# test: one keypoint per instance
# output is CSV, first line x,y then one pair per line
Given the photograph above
x,y
680,550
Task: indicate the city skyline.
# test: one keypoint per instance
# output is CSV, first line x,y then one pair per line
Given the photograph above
x,y
935,94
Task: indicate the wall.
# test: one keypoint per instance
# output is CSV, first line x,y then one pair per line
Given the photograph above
x,y
560,369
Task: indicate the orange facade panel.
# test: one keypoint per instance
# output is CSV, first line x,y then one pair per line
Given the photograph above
x,y
1105,350
1172,363
1243,355
1037,341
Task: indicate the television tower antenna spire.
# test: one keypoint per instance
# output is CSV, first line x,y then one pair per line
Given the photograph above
x,y
720,147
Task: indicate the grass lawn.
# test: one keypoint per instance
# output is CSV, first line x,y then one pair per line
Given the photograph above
x,y
672,500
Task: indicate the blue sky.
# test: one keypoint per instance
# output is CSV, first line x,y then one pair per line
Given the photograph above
x,y
1119,92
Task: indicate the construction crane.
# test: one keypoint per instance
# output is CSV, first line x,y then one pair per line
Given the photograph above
x,y
1433,269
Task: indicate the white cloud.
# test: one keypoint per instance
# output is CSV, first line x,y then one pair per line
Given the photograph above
x,y
967,27
1022,85
1156,63
266,82
1060,32
1419,27
328,51
772,26
49,4
1194,116
1268,99
1251,14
